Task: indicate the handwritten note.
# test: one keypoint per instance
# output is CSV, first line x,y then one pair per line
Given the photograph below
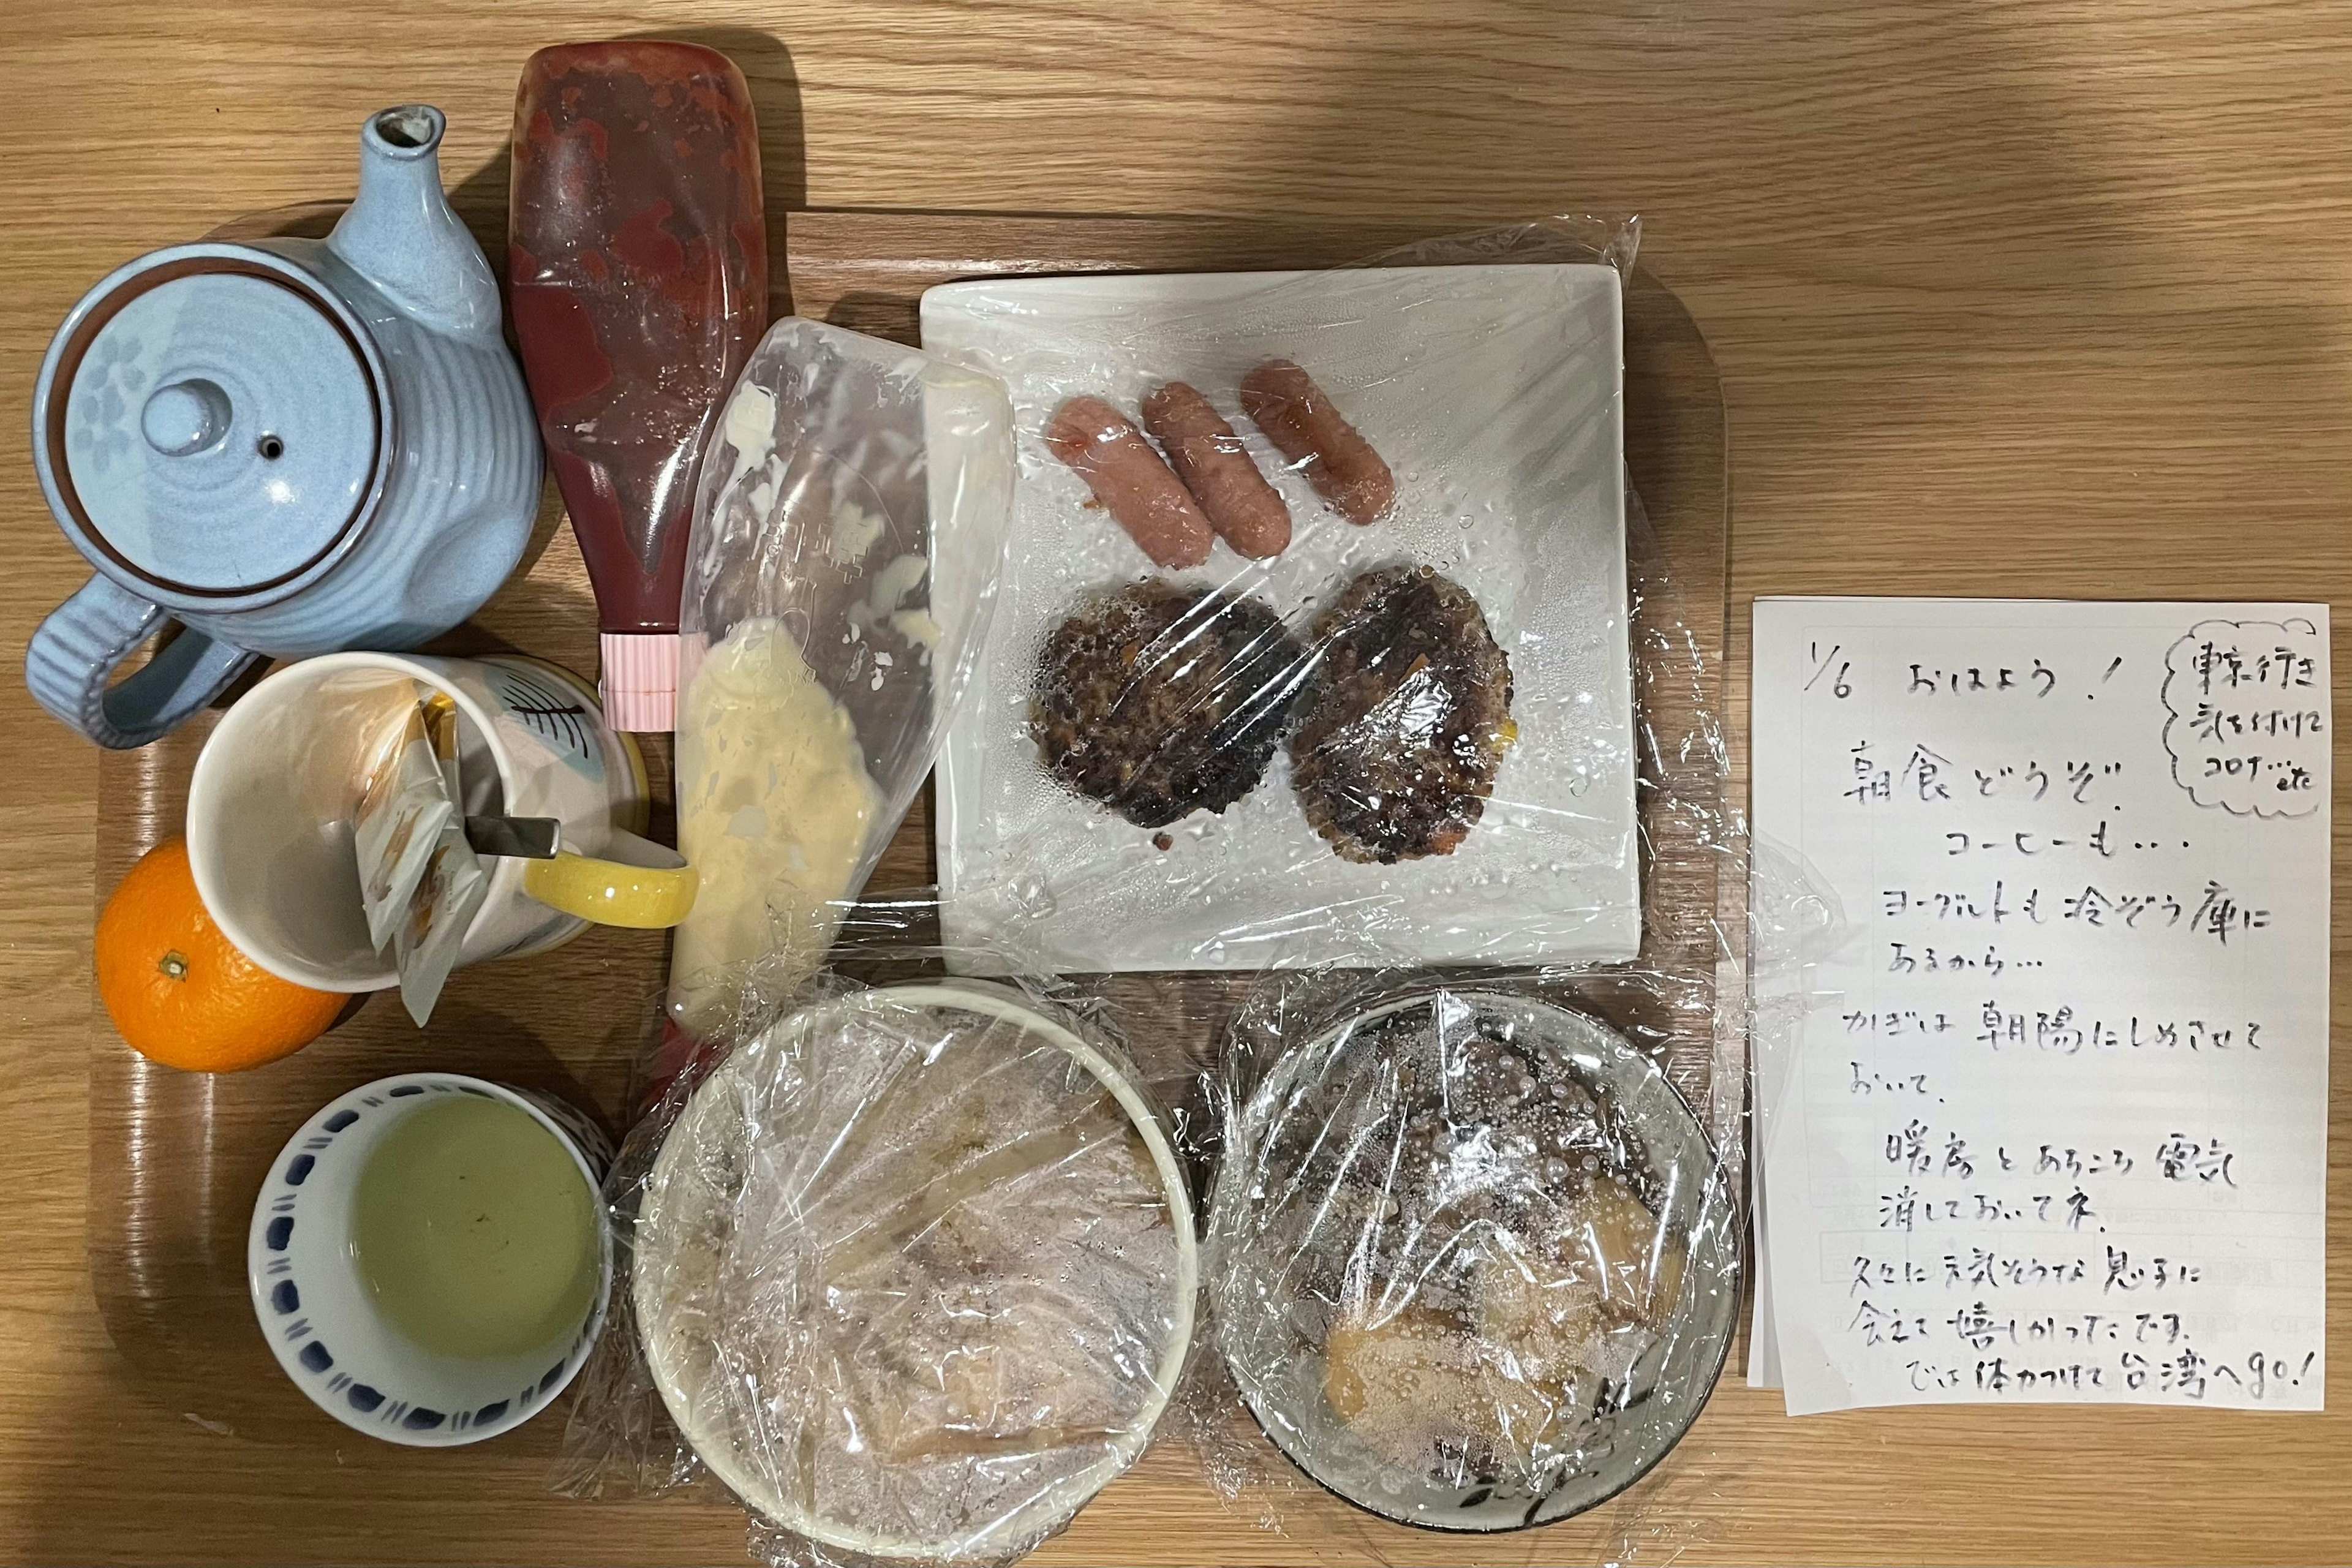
x,y
2052,1124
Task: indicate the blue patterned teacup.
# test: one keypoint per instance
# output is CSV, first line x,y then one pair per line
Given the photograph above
x,y
324,1324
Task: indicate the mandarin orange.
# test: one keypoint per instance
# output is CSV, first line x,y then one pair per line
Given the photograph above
x,y
180,992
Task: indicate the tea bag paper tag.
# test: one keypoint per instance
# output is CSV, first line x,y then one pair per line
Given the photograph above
x,y
402,810
426,945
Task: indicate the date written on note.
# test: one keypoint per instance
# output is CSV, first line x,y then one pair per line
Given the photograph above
x,y
2054,1127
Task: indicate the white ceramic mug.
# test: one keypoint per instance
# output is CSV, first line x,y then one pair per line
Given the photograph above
x,y
271,803
324,1326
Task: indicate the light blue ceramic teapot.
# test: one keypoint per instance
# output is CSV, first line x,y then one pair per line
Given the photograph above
x,y
290,446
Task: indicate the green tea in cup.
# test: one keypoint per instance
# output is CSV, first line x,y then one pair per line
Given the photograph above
x,y
473,1230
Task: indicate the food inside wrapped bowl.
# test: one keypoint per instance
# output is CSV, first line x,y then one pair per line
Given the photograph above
x,y
1470,1263
915,1272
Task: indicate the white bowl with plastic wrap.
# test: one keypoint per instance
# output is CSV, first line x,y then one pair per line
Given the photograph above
x,y
774,1230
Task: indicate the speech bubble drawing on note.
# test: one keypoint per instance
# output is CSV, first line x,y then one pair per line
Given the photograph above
x,y
2247,716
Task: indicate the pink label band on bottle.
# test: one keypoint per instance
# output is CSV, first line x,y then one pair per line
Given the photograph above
x,y
639,680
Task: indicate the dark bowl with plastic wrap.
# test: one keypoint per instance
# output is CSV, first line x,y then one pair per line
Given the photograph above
x,y
1473,1264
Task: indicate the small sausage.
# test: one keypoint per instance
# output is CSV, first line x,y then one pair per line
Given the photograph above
x,y
1130,479
1247,511
1284,401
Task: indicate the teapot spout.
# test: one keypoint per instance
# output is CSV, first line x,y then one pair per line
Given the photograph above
x,y
402,235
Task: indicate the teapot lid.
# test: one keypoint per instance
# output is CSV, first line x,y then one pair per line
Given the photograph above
x,y
220,430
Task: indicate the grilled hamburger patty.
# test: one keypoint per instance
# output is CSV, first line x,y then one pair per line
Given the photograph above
x,y
1160,701
1405,719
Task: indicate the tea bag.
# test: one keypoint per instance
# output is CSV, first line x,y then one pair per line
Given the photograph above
x,y
426,943
408,799
420,880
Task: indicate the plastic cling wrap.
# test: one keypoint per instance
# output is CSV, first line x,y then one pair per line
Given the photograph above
x,y
1473,1261
824,640
913,1272
1314,640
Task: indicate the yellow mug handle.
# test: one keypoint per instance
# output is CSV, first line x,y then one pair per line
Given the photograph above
x,y
638,884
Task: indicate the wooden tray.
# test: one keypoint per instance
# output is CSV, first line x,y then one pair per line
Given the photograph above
x,y
175,1158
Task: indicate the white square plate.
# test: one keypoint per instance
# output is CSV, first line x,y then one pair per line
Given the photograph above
x,y
1496,392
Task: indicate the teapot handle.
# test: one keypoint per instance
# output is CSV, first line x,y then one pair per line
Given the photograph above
x,y
76,651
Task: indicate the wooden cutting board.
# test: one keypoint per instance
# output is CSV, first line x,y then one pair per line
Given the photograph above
x,y
176,1159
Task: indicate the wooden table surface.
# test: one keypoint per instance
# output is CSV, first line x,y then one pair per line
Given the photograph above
x,y
2048,298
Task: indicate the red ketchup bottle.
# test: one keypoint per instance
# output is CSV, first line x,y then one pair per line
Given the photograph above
x,y
638,261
